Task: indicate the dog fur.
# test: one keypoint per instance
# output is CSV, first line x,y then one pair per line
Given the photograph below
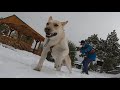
x,y
59,42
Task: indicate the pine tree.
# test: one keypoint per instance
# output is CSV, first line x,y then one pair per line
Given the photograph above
x,y
72,52
4,29
93,40
111,50
107,50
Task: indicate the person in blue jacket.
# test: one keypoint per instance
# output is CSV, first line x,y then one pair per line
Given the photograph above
x,y
89,53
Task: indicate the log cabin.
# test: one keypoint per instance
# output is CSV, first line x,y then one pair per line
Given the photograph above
x,y
20,32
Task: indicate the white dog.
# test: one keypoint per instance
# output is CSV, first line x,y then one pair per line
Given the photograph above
x,y
55,40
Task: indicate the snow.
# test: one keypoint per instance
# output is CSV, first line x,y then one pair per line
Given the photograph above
x,y
16,63
116,76
118,66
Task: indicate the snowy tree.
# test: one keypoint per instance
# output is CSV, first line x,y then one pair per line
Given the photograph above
x,y
111,51
72,51
93,40
4,30
107,50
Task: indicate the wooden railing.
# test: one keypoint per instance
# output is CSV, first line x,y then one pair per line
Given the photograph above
x,y
17,44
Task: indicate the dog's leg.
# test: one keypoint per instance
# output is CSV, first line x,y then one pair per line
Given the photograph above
x,y
60,58
68,63
55,64
58,64
41,61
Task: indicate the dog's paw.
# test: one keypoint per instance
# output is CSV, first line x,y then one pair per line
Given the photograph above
x,y
54,66
58,67
37,69
70,72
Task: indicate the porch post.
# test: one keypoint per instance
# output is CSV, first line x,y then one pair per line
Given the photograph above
x,y
10,32
35,45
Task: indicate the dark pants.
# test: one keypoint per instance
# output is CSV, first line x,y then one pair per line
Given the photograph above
x,y
86,62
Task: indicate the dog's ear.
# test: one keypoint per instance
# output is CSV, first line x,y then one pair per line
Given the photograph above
x,y
64,23
50,18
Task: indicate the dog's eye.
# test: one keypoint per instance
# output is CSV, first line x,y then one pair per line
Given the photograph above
x,y
55,25
47,24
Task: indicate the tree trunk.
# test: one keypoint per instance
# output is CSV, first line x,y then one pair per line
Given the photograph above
x,y
101,69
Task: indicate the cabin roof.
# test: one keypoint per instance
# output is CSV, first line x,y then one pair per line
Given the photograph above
x,y
22,27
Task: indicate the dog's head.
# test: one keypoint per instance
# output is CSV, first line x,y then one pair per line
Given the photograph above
x,y
54,27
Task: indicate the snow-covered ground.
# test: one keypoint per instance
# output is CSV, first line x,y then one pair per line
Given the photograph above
x,y
19,64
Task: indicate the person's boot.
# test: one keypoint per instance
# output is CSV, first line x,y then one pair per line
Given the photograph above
x,y
82,72
87,73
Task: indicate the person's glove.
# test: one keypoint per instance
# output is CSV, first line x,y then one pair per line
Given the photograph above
x,y
77,48
82,55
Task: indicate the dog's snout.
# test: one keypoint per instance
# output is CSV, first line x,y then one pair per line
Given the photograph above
x,y
47,29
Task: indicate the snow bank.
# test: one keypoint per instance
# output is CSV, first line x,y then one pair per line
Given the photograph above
x,y
19,64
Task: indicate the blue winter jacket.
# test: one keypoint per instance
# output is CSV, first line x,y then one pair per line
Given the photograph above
x,y
86,51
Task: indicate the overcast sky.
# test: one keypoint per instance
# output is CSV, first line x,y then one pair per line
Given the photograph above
x,y
80,26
